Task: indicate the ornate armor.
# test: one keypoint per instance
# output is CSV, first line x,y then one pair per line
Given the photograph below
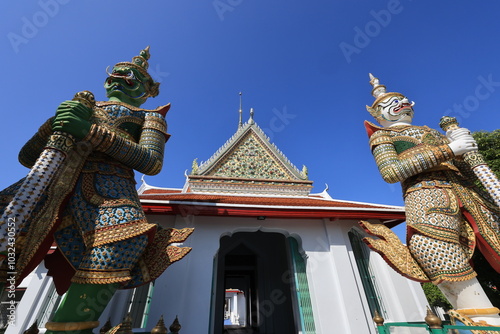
x,y
444,207
102,234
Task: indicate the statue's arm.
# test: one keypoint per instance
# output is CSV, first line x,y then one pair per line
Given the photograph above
x,y
396,168
146,156
33,147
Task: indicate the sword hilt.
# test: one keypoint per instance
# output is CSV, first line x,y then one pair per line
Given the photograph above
x,y
477,163
86,98
65,142
448,123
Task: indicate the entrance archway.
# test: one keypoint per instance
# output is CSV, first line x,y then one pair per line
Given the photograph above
x,y
258,264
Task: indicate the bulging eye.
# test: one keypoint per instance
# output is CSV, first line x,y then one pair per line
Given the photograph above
x,y
395,101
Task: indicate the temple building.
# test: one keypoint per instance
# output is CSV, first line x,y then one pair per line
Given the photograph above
x,y
268,256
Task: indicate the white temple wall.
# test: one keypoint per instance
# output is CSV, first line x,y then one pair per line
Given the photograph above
x,y
337,295
184,289
338,298
403,298
352,300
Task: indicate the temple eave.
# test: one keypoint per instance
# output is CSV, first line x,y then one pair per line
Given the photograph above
x,y
242,179
249,186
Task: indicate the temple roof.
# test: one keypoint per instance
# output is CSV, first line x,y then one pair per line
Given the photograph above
x,y
249,163
157,200
249,176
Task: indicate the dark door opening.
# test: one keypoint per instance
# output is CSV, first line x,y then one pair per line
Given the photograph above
x,y
253,288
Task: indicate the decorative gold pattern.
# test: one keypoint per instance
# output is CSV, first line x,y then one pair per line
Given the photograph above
x,y
32,149
396,167
160,254
436,187
47,216
251,160
124,231
146,156
396,254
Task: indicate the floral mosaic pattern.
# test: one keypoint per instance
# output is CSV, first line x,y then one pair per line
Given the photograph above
x,y
251,160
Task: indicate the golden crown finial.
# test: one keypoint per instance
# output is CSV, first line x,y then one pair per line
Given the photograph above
x,y
378,89
142,58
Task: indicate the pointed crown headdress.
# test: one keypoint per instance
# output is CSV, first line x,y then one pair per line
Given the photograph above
x,y
140,63
380,93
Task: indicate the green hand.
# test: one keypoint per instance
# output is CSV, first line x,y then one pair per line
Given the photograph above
x,y
74,118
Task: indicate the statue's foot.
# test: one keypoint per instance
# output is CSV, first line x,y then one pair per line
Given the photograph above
x,y
490,320
83,327
483,315
84,331
477,317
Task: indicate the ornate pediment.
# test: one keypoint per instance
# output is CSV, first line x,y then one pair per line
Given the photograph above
x,y
248,162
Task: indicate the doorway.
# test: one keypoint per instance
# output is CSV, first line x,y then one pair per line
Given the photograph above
x,y
253,285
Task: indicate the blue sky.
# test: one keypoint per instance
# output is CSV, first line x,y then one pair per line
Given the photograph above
x,y
302,65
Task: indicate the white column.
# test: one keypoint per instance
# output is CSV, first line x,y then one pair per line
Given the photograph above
x,y
29,306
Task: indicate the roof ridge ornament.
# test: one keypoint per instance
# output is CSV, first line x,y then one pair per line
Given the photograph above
x,y
240,123
251,121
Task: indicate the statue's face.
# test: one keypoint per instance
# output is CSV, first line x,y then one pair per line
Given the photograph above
x,y
126,84
396,109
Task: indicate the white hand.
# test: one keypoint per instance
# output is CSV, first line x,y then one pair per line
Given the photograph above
x,y
463,145
457,133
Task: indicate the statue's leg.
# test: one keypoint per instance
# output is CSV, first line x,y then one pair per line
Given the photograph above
x,y
471,300
438,226
81,308
84,302
447,262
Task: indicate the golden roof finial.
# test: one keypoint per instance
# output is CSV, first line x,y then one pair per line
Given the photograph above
x,y
160,327
432,319
175,327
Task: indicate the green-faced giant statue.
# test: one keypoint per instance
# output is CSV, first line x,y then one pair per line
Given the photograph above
x,y
89,206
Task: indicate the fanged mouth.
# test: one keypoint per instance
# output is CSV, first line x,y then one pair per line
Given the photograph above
x,y
114,86
402,108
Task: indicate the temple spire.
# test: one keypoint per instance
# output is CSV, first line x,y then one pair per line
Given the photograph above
x,y
240,124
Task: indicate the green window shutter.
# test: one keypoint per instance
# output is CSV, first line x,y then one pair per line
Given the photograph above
x,y
361,254
302,289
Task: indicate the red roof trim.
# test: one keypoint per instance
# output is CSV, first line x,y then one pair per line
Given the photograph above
x,y
260,200
160,191
203,210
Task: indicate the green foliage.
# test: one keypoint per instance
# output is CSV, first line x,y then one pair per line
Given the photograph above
x,y
489,146
435,297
